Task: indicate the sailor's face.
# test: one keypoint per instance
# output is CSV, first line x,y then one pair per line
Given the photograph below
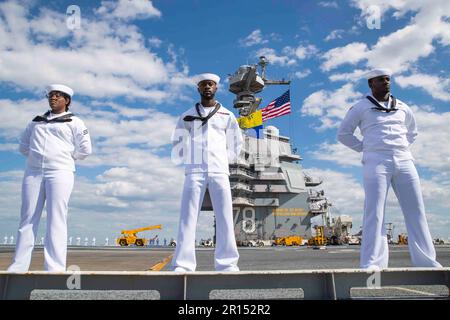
x,y
207,89
381,84
57,101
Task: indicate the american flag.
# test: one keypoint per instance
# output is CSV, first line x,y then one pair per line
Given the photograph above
x,y
278,107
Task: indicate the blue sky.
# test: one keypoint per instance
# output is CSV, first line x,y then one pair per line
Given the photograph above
x,y
132,63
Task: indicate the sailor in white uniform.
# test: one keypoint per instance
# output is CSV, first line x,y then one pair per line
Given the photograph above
x,y
208,137
51,142
388,128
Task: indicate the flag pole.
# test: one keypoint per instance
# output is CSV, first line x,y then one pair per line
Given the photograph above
x,y
290,118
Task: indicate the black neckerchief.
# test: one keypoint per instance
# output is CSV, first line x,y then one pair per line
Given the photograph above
x,y
200,117
44,118
379,107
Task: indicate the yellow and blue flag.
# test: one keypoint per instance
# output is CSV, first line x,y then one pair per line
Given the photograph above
x,y
250,121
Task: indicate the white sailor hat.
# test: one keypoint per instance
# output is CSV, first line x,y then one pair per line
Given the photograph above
x,y
60,87
208,76
377,73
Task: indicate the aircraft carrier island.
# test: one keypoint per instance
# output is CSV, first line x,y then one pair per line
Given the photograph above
x,y
272,195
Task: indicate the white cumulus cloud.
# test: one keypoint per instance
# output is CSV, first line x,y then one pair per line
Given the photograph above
x,y
435,86
254,38
335,34
330,106
128,9
402,48
102,59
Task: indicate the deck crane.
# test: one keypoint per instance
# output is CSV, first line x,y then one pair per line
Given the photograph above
x,y
129,237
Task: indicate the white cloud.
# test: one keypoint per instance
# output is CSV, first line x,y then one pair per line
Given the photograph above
x,y
337,153
328,4
302,74
445,34
436,191
253,38
272,57
102,59
351,53
120,127
402,48
275,37
437,87
335,34
330,106
47,26
302,51
128,9
290,55
154,41
351,76
17,114
431,147
151,130
400,7
158,181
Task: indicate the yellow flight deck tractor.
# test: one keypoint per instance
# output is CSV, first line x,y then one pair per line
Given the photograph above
x,y
289,241
319,239
129,237
402,239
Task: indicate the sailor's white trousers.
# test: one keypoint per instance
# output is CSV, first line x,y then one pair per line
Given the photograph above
x,y
226,255
52,188
380,172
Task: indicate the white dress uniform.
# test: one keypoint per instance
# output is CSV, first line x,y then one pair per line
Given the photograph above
x,y
51,148
388,161
207,150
